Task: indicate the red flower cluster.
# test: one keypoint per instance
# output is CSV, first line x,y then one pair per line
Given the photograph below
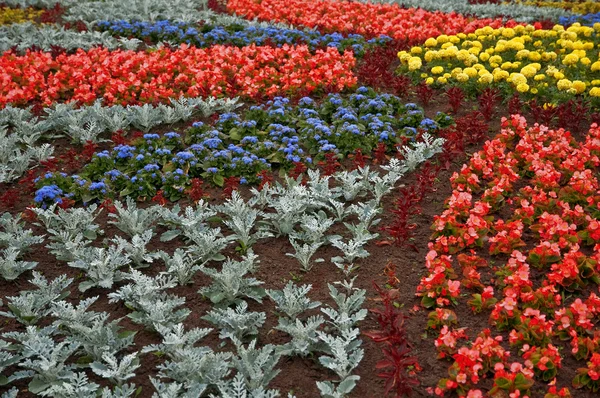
x,y
557,204
369,20
129,77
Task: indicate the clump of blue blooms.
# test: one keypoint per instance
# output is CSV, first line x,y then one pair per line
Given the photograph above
x,y
272,135
238,35
48,195
585,20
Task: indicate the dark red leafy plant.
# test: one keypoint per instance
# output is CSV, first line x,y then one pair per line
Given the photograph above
x,y
399,366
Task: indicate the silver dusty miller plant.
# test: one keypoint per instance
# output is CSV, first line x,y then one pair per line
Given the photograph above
x,y
231,284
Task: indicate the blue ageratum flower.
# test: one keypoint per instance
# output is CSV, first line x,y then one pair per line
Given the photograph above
x,y
48,194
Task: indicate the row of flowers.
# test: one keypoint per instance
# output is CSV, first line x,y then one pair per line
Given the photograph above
x,y
552,64
129,77
579,6
207,35
18,15
544,238
245,146
367,19
587,19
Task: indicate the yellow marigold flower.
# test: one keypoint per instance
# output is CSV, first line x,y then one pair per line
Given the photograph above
x,y
416,50
507,65
508,33
456,71
595,82
533,91
539,77
564,84
529,71
479,67
517,78
570,59
429,81
585,61
431,42
447,45
454,39
447,75
537,43
414,63
442,80
430,55
496,59
484,56
595,66
579,86
461,36
558,75
462,55
462,77
595,92
522,87
471,72
486,78
522,54
441,39
501,75
424,75
437,70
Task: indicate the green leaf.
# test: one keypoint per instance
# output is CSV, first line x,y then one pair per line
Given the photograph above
x,y
502,383
170,235
428,302
218,180
36,385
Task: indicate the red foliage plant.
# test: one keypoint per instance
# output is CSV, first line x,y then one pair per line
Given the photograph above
x,y
159,198
109,205
379,153
377,69
10,198
488,100
330,165
456,97
231,184
358,159
195,191
265,178
399,366
118,138
425,93
298,169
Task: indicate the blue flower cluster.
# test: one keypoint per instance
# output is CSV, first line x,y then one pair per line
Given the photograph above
x,y
586,20
48,195
274,134
237,35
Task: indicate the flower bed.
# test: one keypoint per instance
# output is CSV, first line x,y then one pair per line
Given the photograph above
x,y
369,20
520,238
245,146
550,65
117,77
207,35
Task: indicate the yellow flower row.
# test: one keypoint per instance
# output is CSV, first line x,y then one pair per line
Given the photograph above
x,y
558,62
582,7
18,15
